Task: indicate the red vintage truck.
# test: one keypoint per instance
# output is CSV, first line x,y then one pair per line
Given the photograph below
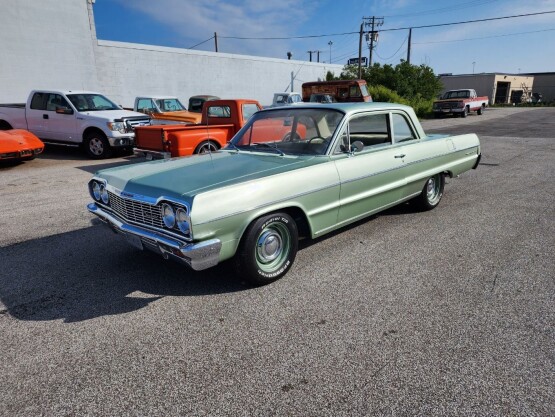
x,y
460,102
221,119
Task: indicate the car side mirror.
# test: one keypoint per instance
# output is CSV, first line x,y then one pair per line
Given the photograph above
x,y
64,110
357,146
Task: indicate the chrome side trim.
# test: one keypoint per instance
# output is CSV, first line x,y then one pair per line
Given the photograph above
x,y
198,256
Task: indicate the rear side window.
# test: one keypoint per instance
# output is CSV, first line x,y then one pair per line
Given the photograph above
x,y
145,105
402,131
38,102
219,111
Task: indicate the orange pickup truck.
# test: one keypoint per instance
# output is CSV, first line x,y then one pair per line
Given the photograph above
x,y
221,119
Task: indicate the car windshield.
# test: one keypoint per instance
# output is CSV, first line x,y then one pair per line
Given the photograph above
x,y
92,102
288,131
169,104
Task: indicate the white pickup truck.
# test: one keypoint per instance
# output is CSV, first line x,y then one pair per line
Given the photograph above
x,y
75,118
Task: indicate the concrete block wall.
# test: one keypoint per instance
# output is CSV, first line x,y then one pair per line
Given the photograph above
x,y
126,70
52,44
45,44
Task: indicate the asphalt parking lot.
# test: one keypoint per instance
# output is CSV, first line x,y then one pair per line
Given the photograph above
x,y
445,313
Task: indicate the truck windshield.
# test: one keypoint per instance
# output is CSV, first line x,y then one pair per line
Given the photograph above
x,y
291,131
169,104
91,102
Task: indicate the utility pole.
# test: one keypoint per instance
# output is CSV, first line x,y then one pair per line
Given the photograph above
x,y
360,52
374,22
330,43
216,40
318,56
408,50
310,54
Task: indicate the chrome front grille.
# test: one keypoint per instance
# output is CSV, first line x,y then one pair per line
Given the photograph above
x,y
136,211
130,123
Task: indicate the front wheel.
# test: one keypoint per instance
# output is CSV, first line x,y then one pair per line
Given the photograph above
x,y
268,249
432,192
97,146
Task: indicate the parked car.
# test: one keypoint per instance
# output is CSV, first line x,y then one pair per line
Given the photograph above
x,y
75,118
286,99
253,199
165,110
460,102
344,91
196,103
19,145
322,98
220,120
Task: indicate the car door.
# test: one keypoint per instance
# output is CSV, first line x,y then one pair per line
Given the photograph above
x,y
371,177
420,158
60,126
35,114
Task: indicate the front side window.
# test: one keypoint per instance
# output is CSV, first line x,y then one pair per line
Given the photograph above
x,y
370,130
56,101
91,102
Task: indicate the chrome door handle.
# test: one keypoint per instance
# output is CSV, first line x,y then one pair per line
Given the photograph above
x,y
400,156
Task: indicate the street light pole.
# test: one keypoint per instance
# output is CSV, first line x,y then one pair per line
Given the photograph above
x,y
330,43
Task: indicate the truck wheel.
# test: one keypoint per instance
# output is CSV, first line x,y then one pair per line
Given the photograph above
x,y
97,146
268,249
480,110
465,112
432,192
206,147
4,125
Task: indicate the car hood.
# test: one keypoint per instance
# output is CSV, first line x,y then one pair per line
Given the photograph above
x,y
110,115
187,176
17,140
180,115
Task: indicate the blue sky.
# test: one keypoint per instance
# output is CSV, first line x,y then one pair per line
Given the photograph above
x,y
524,44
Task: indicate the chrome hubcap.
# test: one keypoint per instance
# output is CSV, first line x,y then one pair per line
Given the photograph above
x,y
207,148
269,246
96,146
432,190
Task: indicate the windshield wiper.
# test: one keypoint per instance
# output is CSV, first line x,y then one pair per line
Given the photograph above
x,y
265,145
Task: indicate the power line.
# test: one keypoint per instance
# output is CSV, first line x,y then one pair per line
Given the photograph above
x,y
444,9
484,37
387,30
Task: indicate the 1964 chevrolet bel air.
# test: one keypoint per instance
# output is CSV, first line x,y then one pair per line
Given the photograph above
x,y
319,168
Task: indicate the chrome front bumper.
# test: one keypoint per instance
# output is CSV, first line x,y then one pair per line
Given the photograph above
x,y
198,256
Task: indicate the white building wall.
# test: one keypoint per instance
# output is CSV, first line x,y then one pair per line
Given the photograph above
x,y
45,44
51,44
127,70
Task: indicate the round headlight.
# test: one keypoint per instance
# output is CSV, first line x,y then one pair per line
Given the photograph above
x,y
96,191
168,215
183,220
104,193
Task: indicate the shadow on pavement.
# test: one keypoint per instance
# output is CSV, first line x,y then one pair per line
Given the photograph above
x,y
91,273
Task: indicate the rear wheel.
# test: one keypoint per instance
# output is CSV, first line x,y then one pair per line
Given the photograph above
x,y
4,125
480,110
206,147
97,146
432,192
268,249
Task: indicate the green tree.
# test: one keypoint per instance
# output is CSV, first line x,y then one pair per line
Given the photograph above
x,y
411,82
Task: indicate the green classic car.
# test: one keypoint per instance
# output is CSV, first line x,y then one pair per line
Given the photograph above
x,y
290,172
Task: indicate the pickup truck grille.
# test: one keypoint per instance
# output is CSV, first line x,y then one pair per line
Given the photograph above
x,y
132,123
135,211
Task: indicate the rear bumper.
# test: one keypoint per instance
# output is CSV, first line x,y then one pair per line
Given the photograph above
x,y
198,256
149,154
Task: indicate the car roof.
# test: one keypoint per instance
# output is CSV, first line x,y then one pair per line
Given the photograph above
x,y
345,107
